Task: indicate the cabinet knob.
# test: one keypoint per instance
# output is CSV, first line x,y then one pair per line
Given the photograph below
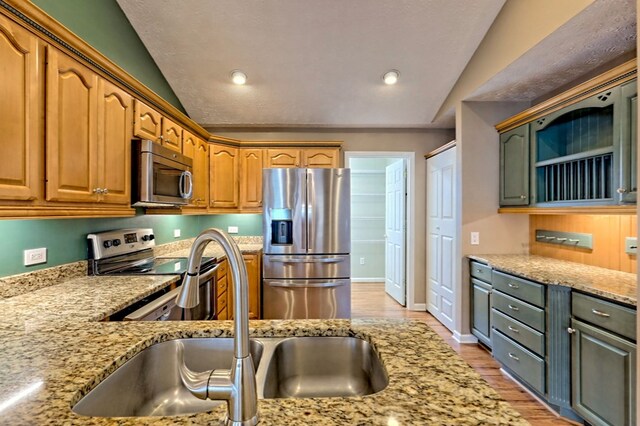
x,y
105,191
621,190
523,197
571,330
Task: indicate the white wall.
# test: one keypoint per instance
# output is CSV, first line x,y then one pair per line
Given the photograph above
x,y
478,173
419,141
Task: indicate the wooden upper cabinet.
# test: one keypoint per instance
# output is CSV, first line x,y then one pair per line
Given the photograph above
x,y
171,135
21,174
115,118
71,135
147,122
326,158
198,151
223,172
282,157
251,160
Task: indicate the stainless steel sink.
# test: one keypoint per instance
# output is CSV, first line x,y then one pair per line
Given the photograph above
x,y
150,383
305,367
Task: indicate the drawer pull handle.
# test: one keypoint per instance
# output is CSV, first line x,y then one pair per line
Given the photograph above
x,y
600,313
512,285
571,240
515,330
561,239
512,356
513,308
479,271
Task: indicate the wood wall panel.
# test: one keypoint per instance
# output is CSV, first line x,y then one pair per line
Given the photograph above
x,y
609,232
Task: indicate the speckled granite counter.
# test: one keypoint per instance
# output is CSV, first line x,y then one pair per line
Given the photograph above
x,y
429,384
607,283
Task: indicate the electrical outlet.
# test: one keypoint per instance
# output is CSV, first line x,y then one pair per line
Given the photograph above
x,y
232,229
475,238
362,260
176,233
35,256
631,245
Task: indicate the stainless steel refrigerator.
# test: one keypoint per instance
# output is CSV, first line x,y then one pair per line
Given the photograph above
x,y
307,241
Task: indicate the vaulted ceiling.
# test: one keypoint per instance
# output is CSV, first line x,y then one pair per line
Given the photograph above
x,y
311,63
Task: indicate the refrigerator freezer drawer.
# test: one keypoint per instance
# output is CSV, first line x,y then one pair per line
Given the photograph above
x,y
306,299
306,266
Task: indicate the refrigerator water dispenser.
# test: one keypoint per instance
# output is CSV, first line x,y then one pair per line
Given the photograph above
x,y
281,226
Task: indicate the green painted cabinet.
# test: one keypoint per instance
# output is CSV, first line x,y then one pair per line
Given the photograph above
x,y
514,167
481,311
629,147
603,378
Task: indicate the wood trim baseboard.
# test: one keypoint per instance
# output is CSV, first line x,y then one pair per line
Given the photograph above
x,y
63,212
630,210
465,339
615,76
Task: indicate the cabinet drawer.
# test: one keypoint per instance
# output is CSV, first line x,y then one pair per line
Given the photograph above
x,y
222,315
525,364
607,315
221,286
521,333
481,271
522,311
517,287
221,303
222,269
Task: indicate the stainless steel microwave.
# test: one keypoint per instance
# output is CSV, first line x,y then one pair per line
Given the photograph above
x,y
162,177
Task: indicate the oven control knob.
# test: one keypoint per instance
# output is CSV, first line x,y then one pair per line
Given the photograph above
x,y
152,237
107,244
116,242
145,238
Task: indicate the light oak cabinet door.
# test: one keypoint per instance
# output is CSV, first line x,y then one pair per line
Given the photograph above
x,y
21,89
147,122
282,157
253,262
115,117
322,158
71,135
198,151
251,160
223,171
171,135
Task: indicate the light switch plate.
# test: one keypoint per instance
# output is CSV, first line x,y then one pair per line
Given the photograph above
x,y
631,245
475,238
232,229
176,233
35,256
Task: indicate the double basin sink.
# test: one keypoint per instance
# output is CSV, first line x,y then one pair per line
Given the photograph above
x,y
150,383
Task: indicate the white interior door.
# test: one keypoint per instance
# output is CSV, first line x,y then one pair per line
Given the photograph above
x,y
441,236
395,232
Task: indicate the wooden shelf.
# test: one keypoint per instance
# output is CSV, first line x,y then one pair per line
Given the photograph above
x,y
630,210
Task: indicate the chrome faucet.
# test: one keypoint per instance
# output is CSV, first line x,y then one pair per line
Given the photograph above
x,y
238,385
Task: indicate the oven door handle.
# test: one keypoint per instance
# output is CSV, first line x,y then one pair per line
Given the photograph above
x,y
168,299
186,181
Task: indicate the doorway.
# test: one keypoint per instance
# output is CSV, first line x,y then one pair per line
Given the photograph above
x,y
382,221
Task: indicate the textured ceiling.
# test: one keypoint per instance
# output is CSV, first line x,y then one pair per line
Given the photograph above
x,y
605,30
312,63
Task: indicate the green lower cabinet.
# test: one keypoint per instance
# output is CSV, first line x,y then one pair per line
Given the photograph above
x,y
603,383
481,311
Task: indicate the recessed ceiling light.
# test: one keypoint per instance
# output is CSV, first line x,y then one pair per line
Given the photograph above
x,y
391,77
238,77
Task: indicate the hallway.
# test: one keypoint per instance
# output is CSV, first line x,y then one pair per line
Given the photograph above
x,y
369,300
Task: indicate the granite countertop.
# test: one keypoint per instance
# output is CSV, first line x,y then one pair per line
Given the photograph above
x,y
614,285
55,350
429,383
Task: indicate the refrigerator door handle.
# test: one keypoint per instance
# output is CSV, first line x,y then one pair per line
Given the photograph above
x,y
308,260
293,284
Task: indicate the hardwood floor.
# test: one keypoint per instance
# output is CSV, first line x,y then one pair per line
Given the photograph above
x,y
369,300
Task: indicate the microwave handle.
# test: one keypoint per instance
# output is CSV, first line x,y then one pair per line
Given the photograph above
x,y
188,178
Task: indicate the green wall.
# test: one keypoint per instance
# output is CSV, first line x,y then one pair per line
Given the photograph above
x,y
65,239
103,25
